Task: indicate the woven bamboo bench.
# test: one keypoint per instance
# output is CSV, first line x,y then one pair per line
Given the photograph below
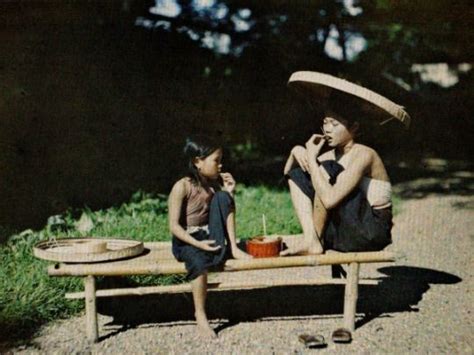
x,y
159,261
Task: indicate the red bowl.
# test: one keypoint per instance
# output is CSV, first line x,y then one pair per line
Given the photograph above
x,y
264,247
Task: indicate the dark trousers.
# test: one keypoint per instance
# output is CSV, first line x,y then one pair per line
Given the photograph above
x,y
196,260
353,225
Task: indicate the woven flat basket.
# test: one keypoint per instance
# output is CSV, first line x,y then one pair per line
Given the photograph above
x,y
319,86
87,250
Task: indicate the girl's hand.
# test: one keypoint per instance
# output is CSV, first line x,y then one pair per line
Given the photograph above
x,y
299,153
228,182
314,145
207,245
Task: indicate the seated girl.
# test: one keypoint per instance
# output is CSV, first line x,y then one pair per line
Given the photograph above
x,y
202,220
343,197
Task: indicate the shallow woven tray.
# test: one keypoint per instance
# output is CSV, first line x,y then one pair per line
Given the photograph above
x,y
70,250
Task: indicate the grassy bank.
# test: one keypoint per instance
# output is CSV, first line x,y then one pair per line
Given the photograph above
x,y
29,298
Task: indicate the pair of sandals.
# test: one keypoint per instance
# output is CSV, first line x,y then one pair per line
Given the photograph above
x,y
341,336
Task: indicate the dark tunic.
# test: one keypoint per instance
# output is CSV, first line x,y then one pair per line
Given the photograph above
x,y
196,260
353,225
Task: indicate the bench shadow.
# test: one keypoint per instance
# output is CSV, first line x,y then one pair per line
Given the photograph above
x,y
399,291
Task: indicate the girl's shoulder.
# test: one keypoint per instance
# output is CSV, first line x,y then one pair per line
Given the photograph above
x,y
359,153
367,151
364,155
375,167
183,186
363,147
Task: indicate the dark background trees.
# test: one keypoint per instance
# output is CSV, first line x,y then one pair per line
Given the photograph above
x,y
97,96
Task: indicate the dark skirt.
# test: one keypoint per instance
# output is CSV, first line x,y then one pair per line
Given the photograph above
x,y
198,261
353,225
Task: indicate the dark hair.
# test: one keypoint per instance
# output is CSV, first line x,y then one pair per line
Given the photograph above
x,y
347,107
198,146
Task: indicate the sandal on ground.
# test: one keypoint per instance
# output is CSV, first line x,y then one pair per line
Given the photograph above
x,y
312,342
341,335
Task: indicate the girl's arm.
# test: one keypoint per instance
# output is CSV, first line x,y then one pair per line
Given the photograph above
x,y
347,180
229,186
175,202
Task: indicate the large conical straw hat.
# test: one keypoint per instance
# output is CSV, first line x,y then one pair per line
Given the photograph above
x,y
320,87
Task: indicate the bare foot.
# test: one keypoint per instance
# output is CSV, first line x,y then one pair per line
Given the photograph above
x,y
312,249
206,331
239,254
204,328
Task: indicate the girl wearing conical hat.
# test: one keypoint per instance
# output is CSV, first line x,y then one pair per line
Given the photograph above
x,y
340,188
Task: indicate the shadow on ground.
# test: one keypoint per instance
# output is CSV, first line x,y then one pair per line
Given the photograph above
x,y
400,291
435,176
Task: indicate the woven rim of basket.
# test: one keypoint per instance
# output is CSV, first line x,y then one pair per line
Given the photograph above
x,y
116,249
302,79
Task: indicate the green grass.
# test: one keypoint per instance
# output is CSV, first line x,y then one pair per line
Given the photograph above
x,y
253,202
29,297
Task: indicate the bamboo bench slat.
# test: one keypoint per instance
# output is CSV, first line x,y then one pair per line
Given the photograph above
x,y
151,266
214,286
158,259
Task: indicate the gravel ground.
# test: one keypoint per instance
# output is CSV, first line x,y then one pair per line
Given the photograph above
x,y
423,306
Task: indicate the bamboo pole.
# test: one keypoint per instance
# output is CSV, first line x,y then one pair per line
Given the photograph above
x,y
136,266
264,223
92,328
217,286
151,267
157,245
350,296
307,260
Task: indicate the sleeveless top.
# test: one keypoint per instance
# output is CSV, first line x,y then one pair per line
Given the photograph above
x,y
377,192
196,207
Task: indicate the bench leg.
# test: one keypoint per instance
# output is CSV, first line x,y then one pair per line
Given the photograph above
x,y
350,296
92,328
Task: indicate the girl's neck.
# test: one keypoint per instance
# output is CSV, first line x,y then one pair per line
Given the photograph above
x,y
345,148
205,182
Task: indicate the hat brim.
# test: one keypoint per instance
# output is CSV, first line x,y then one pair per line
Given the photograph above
x,y
319,87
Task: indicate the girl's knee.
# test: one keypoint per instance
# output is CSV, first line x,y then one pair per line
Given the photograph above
x,y
223,195
223,198
222,205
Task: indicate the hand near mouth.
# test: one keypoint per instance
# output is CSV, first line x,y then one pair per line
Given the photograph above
x,y
228,182
314,145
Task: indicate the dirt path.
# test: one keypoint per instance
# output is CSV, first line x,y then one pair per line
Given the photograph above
x,y
424,305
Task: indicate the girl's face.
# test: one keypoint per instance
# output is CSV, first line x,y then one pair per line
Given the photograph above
x,y
210,166
335,128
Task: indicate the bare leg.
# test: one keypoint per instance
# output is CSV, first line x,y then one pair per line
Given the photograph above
x,y
320,216
236,252
307,218
199,288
